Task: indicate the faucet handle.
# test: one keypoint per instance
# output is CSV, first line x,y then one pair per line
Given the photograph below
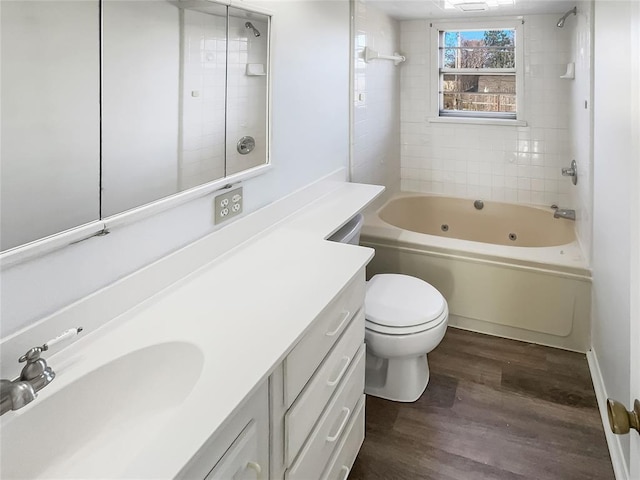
x,y
63,336
36,367
34,353
571,171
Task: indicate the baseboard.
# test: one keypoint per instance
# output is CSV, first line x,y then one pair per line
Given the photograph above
x,y
620,468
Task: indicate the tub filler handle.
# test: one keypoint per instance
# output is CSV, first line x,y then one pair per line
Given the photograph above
x,y
571,171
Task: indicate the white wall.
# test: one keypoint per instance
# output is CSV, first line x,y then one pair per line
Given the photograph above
x,y
43,126
612,183
376,109
580,121
310,139
516,164
140,99
634,337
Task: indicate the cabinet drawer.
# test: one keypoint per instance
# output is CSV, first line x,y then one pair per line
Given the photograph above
x,y
310,351
308,407
346,453
322,442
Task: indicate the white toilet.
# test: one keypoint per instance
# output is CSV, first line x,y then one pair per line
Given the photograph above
x,y
406,318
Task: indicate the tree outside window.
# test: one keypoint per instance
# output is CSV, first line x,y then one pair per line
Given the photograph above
x,y
478,72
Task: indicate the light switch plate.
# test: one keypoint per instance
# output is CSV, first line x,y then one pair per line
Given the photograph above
x,y
228,205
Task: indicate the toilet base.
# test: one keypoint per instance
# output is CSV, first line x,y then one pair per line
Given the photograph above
x,y
401,379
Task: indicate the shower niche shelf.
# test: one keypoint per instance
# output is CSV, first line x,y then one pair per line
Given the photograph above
x,y
571,71
256,70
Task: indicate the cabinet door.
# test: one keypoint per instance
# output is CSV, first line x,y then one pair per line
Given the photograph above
x,y
241,461
240,448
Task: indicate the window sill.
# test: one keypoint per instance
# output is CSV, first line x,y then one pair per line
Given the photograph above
x,y
478,121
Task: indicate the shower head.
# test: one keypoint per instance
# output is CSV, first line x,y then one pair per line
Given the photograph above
x,y
560,23
250,26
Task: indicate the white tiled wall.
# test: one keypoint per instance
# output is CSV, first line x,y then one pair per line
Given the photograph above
x,y
580,122
203,120
505,163
376,125
203,98
246,94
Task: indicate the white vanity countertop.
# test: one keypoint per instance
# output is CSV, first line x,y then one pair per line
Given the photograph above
x,y
212,338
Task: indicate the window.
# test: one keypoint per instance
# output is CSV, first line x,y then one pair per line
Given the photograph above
x,y
477,72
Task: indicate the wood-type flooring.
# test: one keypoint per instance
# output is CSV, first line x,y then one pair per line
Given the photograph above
x,y
494,409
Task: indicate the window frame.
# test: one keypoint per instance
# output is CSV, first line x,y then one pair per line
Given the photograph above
x,y
436,74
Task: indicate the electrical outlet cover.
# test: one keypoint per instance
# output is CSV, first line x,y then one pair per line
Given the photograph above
x,y
228,205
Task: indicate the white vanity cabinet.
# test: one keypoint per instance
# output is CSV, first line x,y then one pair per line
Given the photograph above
x,y
240,450
271,375
307,421
318,395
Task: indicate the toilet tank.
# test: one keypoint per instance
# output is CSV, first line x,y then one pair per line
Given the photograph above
x,y
350,232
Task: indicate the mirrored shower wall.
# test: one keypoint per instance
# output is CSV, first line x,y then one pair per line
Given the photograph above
x,y
87,137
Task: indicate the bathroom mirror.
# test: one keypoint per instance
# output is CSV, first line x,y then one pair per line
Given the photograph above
x,y
177,99
183,83
50,118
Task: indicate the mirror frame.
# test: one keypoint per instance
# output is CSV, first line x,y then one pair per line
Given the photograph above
x,y
102,226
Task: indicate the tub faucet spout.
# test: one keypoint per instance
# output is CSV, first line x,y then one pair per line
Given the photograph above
x,y
565,213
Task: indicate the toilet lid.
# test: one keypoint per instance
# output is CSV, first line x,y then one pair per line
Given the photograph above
x,y
396,300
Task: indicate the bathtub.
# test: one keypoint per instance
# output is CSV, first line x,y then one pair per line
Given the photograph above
x,y
505,269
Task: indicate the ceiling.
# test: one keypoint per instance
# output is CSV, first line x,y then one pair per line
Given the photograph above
x,y
420,9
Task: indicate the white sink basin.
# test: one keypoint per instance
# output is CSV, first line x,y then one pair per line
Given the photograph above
x,y
108,414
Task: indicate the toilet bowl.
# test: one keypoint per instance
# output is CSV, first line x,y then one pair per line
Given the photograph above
x,y
406,318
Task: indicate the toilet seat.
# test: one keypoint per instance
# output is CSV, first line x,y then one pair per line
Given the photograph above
x,y
398,304
374,327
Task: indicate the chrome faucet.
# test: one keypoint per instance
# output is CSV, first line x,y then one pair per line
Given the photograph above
x,y
35,375
15,395
571,171
564,213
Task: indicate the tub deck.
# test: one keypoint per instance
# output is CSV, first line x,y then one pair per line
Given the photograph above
x,y
498,223
563,257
